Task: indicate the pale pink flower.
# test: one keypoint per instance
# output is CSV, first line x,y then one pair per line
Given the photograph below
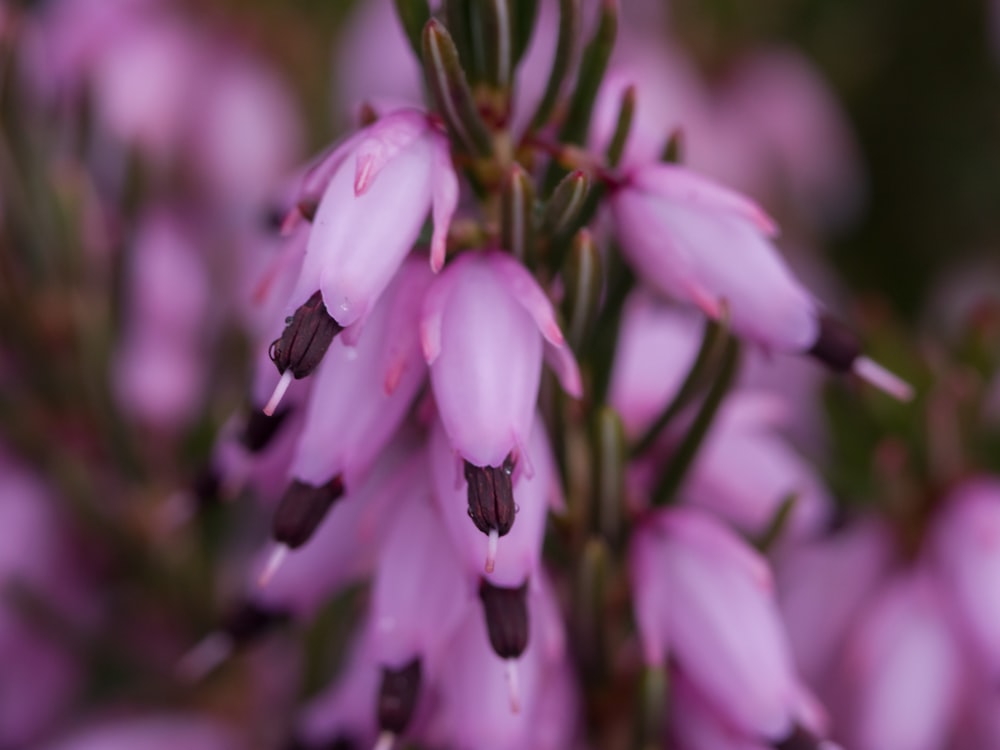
x,y
362,392
823,586
346,545
966,547
475,709
903,668
420,592
705,598
159,368
657,345
517,554
484,326
704,244
373,193
745,470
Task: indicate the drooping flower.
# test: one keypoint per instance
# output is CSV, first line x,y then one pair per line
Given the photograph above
x,y
369,198
706,599
484,327
512,561
903,669
966,546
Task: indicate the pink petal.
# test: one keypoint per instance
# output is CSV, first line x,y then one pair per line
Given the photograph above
x,y
684,185
525,289
383,142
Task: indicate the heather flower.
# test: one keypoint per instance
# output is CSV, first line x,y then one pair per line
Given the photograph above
x,y
966,547
159,369
746,470
709,246
706,599
399,167
516,556
656,348
484,327
852,562
903,669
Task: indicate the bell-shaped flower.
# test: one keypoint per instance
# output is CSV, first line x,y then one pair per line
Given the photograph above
x,y
702,243
657,345
852,563
966,544
347,542
477,689
706,599
420,592
371,196
511,561
484,326
345,712
745,470
362,393
695,725
904,669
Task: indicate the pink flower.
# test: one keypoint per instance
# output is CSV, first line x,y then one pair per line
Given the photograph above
x,y
703,243
710,246
420,592
706,599
362,392
904,669
517,555
656,347
484,324
746,469
966,545
373,194
822,587
476,686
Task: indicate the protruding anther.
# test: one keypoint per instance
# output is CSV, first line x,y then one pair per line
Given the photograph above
x,y
506,613
302,509
205,657
385,741
493,538
874,374
274,561
279,392
513,685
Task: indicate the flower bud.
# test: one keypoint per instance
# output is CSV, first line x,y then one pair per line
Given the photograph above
x,y
305,339
491,496
303,508
397,696
506,612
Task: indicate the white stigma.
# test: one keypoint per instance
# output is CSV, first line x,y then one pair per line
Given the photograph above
x,y
210,652
279,392
385,741
492,541
277,557
873,373
513,685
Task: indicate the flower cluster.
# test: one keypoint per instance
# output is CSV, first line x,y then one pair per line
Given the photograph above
x,y
522,372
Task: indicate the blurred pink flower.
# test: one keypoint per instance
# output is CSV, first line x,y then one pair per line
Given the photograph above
x,y
705,599
903,669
